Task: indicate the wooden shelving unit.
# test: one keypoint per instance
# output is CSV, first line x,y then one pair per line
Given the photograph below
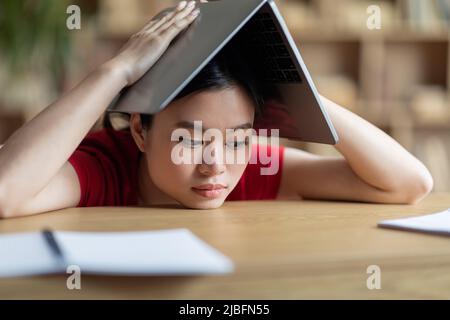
x,y
397,77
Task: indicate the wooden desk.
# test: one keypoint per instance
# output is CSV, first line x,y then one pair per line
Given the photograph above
x,y
291,250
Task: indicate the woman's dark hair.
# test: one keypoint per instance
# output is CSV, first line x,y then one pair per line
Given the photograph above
x,y
226,70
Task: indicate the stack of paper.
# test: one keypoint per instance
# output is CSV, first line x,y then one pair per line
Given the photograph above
x,y
164,252
432,223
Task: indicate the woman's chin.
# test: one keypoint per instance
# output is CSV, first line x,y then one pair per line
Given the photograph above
x,y
205,204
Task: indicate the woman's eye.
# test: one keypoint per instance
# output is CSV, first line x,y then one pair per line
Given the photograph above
x,y
237,144
190,143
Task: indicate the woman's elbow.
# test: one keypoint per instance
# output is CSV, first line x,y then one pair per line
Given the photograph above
x,y
422,187
6,210
419,188
3,210
4,213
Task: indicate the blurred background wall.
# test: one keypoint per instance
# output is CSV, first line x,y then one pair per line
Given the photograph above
x,y
397,77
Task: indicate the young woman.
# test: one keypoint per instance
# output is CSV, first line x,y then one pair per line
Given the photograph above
x,y
52,162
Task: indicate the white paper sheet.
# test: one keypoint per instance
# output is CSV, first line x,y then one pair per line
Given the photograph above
x,y
26,254
162,252
432,223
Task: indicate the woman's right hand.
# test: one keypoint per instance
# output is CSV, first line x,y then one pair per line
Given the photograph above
x,y
43,179
144,48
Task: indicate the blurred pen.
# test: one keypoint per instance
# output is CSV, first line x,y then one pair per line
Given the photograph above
x,y
49,237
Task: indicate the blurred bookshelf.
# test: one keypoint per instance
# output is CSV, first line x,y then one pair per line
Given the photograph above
x,y
396,77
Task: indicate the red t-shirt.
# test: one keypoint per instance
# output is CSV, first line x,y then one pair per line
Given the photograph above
x,y
106,163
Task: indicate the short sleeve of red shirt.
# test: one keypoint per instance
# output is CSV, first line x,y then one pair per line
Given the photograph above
x,y
262,177
106,164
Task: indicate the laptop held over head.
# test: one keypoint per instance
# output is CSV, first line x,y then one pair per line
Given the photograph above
x,y
257,27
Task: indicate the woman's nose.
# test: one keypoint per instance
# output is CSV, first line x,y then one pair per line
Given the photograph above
x,y
213,169
214,165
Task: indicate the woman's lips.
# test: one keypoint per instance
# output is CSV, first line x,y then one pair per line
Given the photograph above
x,y
210,191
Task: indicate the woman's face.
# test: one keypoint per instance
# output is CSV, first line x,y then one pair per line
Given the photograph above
x,y
198,170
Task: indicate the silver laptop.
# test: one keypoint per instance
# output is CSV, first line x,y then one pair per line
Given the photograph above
x,y
263,37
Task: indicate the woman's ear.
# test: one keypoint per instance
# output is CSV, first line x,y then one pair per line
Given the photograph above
x,y
138,132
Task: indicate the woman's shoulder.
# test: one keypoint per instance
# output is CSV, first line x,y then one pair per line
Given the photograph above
x,y
262,177
106,163
112,140
109,134
109,147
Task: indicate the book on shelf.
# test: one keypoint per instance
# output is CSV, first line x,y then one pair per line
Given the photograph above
x,y
339,88
427,16
430,105
433,151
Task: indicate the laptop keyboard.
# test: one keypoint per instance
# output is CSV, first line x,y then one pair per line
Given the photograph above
x,y
264,42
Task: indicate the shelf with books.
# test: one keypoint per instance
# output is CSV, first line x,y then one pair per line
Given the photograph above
x,y
334,67
400,73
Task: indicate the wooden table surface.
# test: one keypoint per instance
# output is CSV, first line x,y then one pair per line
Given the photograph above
x,y
281,250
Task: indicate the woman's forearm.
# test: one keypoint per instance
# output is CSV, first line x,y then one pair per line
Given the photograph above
x,y
376,157
35,152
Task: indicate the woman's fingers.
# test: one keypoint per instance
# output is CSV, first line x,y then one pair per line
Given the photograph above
x,y
182,6
179,17
173,30
144,48
162,18
157,19
157,23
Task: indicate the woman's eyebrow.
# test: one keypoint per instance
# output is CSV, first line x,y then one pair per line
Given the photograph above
x,y
190,125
